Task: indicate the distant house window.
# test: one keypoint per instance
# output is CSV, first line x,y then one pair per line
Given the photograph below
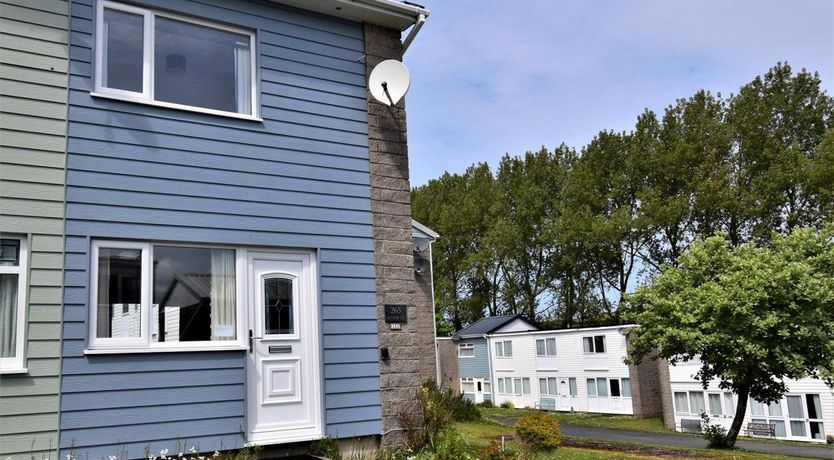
x,y
681,402
148,56
13,271
466,350
546,347
504,349
466,386
171,297
501,388
572,384
548,386
594,344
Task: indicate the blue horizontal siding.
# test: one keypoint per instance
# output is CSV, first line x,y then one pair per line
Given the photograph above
x,y
299,179
477,366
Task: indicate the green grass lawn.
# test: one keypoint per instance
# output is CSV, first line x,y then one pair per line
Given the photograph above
x,y
481,434
619,422
623,422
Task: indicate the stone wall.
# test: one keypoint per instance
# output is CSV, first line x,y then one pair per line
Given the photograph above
x,y
411,349
447,364
646,396
666,393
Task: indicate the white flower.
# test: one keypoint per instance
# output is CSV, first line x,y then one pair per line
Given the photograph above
x,y
216,454
193,450
113,457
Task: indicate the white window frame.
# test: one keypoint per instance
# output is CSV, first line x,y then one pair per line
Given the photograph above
x,y
16,364
501,349
466,346
147,94
544,344
144,343
594,345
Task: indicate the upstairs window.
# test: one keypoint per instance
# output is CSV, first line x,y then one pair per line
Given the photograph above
x,y
504,349
13,258
466,350
594,344
546,347
157,58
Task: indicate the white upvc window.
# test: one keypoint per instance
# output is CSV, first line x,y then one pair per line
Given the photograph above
x,y
164,297
466,350
14,258
593,344
546,347
153,57
504,349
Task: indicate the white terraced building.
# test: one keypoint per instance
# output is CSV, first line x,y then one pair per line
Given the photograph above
x,y
566,370
805,413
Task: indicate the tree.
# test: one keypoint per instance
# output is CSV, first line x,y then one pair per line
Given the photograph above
x,y
753,316
778,121
458,207
529,189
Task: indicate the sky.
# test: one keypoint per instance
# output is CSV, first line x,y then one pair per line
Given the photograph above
x,y
496,77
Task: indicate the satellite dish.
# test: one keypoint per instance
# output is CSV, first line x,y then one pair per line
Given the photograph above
x,y
421,265
389,81
421,244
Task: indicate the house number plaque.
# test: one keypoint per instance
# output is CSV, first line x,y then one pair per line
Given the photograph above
x,y
396,314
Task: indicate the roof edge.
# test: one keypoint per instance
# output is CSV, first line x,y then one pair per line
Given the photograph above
x,y
386,13
424,229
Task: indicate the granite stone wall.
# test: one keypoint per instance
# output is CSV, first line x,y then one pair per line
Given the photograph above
x,y
411,349
447,364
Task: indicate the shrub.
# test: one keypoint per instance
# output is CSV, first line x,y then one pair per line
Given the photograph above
x,y
495,451
539,431
326,447
829,439
507,405
715,435
434,412
487,403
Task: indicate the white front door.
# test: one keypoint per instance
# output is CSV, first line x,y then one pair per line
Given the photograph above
x,y
283,366
563,403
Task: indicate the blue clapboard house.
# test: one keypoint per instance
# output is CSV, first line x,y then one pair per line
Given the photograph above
x,y
233,199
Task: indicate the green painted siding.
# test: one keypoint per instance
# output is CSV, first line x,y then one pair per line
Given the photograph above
x,y
33,96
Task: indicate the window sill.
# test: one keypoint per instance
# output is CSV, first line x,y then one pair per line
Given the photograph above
x,y
131,351
12,371
170,105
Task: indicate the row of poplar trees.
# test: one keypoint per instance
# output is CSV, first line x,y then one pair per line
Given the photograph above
x,y
562,235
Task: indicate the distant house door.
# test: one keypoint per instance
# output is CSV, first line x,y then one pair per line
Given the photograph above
x,y
564,398
283,377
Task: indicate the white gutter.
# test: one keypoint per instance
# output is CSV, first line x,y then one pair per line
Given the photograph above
x,y
414,31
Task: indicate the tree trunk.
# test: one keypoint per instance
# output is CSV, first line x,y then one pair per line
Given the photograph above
x,y
741,408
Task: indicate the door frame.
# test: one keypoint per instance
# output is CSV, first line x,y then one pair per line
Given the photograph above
x,y
315,350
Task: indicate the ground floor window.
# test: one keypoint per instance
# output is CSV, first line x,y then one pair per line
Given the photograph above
x,y
795,416
147,295
467,385
548,386
13,272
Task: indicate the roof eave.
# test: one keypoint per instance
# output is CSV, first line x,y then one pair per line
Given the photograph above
x,y
386,13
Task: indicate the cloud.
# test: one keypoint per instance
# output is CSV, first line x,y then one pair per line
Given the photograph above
x,y
491,77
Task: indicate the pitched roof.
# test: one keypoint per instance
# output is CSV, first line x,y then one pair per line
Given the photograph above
x,y
489,324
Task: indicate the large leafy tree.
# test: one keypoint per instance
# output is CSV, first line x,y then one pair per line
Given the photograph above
x,y
529,188
753,316
778,121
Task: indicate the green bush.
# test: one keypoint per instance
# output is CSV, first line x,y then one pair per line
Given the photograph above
x,y
434,412
487,403
539,431
715,435
507,405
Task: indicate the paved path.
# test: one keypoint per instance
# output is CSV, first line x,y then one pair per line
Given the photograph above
x,y
683,440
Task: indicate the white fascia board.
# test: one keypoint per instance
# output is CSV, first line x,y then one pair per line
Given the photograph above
x,y
429,232
563,331
386,13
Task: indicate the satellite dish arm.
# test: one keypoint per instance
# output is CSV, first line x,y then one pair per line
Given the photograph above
x,y
412,34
